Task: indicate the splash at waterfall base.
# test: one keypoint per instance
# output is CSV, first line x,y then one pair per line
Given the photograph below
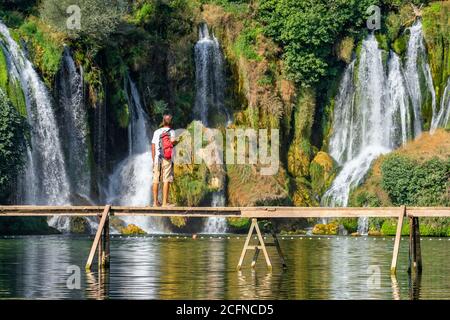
x,y
101,243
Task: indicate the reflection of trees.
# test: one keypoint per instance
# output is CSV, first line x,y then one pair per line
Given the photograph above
x,y
193,269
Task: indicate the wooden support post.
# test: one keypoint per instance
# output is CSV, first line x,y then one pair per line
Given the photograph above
x,y
398,236
263,246
100,248
107,243
415,254
97,238
260,246
280,252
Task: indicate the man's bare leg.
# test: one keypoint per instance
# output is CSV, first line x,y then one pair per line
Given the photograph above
x,y
155,195
165,193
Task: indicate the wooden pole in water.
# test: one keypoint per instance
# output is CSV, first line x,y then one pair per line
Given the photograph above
x,y
411,245
415,253
98,235
418,251
107,243
398,236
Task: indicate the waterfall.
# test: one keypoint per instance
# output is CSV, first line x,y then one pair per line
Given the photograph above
x,y
74,129
130,183
210,80
45,181
216,225
372,116
442,118
417,72
210,102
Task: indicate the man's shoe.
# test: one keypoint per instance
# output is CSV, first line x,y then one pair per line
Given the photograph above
x,y
168,205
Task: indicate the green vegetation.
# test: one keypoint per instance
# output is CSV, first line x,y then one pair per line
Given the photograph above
x,y
410,183
132,230
307,30
12,145
90,19
45,49
245,43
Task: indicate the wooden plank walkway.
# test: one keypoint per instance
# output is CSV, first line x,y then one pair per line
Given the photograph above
x,y
248,212
101,240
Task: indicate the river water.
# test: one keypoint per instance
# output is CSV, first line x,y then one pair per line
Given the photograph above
x,y
179,267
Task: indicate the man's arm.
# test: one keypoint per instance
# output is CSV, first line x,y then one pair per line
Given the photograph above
x,y
153,152
173,139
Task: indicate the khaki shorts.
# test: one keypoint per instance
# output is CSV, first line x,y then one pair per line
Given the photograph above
x,y
163,169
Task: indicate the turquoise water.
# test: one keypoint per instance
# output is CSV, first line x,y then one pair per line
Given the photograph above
x,y
179,267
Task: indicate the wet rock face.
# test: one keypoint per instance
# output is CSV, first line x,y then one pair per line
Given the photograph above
x,y
80,225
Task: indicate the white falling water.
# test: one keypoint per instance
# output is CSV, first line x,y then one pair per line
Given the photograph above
x,y
209,102
443,116
45,180
210,81
74,128
131,182
417,72
371,117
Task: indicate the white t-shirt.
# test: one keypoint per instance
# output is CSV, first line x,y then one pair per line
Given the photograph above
x,y
156,137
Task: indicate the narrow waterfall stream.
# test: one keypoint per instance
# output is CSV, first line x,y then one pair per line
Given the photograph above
x,y
376,113
209,103
442,118
131,182
74,129
45,180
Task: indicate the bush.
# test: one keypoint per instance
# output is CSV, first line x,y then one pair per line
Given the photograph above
x,y
409,183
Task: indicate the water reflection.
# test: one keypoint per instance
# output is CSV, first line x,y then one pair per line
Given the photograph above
x,y
183,268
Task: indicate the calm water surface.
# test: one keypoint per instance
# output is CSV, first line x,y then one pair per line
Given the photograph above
x,y
37,267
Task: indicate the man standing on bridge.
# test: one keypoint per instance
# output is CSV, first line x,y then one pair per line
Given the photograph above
x,y
162,147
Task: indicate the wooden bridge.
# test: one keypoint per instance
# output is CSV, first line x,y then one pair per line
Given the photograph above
x,y
101,243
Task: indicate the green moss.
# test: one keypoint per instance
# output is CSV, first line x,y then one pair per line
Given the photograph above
x,y
382,41
132,229
350,224
45,49
178,222
246,42
237,224
17,97
3,71
326,229
121,111
399,45
435,21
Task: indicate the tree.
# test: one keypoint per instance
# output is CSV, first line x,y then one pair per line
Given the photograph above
x,y
12,144
91,19
307,31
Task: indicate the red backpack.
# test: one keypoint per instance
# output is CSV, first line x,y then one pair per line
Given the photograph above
x,y
165,145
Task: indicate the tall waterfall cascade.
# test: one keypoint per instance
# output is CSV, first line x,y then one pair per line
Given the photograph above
x,y
45,180
74,128
210,102
130,184
377,109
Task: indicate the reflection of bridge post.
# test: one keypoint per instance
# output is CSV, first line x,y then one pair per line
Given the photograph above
x,y
415,282
395,287
97,288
